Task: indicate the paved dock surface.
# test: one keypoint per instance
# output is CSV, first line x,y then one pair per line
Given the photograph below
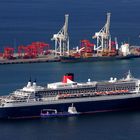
x,y
31,60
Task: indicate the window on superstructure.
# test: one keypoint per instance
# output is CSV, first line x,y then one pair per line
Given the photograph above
x,y
109,89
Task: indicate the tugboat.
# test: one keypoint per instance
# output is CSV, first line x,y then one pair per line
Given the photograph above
x,y
72,110
49,113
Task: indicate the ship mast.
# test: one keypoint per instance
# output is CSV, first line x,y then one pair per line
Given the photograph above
x,y
103,36
62,40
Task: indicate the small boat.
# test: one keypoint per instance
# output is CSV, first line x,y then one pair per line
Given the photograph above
x,y
48,113
72,110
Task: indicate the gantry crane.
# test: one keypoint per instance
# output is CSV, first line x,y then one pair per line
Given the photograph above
x,y
62,40
8,53
103,36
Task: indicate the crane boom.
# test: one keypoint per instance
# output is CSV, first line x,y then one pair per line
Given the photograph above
x,y
62,39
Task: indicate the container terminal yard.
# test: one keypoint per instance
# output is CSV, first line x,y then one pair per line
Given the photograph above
x,y
34,53
103,49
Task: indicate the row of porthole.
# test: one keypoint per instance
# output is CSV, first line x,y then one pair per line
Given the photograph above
x,y
110,89
83,91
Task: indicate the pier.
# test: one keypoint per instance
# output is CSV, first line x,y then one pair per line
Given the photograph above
x,y
29,60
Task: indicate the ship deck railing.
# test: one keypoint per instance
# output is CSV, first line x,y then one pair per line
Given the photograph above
x,y
95,93
74,100
88,98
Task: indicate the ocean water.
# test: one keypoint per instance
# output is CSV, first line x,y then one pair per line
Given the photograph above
x,y
25,21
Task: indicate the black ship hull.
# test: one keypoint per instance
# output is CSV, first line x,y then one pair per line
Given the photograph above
x,y
82,108
95,58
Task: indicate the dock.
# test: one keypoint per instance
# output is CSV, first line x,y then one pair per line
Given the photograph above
x,y
29,60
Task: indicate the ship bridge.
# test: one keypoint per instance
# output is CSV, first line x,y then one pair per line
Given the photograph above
x,y
26,94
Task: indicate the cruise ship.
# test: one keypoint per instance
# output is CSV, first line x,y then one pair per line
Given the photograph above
x,y
71,97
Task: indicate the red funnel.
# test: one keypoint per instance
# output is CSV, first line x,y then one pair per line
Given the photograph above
x,y
69,76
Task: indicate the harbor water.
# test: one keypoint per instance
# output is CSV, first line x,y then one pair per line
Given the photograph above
x,y
25,21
